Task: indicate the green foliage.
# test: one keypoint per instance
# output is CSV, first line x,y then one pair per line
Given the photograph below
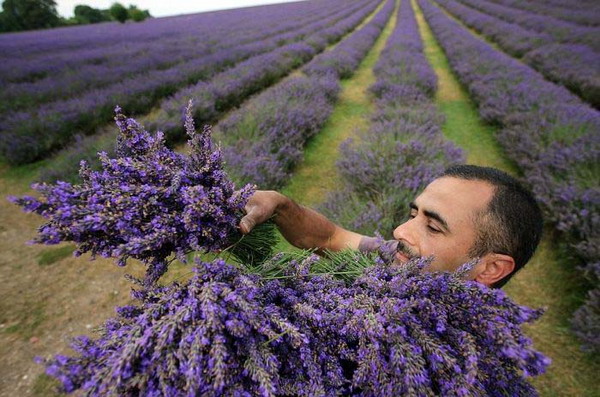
x,y
85,14
136,14
20,15
119,12
53,255
256,246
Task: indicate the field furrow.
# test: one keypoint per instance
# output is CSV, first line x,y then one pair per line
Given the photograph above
x,y
403,149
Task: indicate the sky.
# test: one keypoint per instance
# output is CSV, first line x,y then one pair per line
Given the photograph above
x,y
163,8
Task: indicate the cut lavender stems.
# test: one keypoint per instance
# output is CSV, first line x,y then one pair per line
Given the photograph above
x,y
148,203
388,330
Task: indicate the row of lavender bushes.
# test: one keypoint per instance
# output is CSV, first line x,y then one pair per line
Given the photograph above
x,y
264,140
576,66
28,56
552,136
404,148
580,12
99,66
30,135
561,31
214,97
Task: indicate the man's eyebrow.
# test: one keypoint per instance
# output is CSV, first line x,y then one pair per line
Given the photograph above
x,y
432,215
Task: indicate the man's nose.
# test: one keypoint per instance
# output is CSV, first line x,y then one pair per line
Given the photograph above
x,y
405,232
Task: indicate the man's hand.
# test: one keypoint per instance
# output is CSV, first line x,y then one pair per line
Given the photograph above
x,y
302,227
261,206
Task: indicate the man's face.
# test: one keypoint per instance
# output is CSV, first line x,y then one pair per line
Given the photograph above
x,y
443,222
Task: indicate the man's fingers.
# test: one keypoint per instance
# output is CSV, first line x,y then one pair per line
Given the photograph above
x,y
247,223
260,206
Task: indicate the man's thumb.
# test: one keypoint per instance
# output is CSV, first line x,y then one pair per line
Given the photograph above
x,y
247,224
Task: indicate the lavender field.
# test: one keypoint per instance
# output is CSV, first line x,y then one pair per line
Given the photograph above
x,y
282,86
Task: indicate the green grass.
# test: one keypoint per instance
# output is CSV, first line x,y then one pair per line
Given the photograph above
x,y
28,321
21,176
549,279
45,386
53,255
317,174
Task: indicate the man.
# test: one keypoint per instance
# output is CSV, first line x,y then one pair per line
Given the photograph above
x,y
468,212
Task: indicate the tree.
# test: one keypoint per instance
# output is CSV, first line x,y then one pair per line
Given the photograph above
x,y
136,14
119,12
86,14
28,14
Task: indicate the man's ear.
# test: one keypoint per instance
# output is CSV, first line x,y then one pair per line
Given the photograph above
x,y
493,268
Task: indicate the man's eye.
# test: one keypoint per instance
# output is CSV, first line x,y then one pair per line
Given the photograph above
x,y
433,229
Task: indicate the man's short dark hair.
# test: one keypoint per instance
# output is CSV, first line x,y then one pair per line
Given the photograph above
x,y
512,223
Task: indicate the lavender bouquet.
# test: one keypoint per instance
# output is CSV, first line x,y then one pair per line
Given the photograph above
x,y
295,328
289,324
149,203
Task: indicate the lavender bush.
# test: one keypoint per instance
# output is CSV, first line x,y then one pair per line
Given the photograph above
x,y
404,148
511,37
147,203
296,330
552,136
582,14
229,88
561,31
101,65
576,66
344,59
264,140
31,55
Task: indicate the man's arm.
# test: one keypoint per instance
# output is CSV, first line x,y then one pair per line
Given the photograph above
x,y
301,226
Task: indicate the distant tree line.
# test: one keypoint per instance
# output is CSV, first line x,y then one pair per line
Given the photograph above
x,y
20,15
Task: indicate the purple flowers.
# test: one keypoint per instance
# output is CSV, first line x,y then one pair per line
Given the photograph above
x,y
576,66
296,331
265,139
217,42
232,86
147,203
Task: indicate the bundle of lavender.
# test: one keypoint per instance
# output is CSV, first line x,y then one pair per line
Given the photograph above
x,y
289,324
149,203
297,330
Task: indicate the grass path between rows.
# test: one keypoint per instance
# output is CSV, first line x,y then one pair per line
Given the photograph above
x,y
548,280
318,174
